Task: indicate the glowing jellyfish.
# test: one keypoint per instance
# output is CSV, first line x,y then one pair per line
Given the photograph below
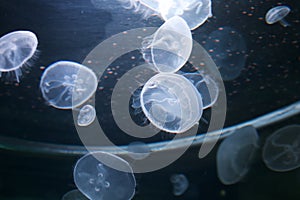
x,y
98,181
180,184
206,86
228,49
194,12
171,102
66,84
281,151
16,49
235,155
170,46
277,14
74,195
87,115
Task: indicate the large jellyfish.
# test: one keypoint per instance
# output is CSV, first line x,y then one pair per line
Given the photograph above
x,y
194,12
277,14
170,46
281,151
171,102
98,181
67,84
16,49
235,155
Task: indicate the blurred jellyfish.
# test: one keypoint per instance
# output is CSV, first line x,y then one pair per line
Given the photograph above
x,y
138,150
281,151
170,46
66,84
236,154
87,115
171,102
16,49
194,12
227,48
180,184
74,195
277,14
98,181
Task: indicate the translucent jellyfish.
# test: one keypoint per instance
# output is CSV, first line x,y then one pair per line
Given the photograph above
x,y
206,86
281,151
236,154
87,115
98,181
227,48
138,150
180,184
194,12
171,102
277,14
74,195
170,46
16,49
66,84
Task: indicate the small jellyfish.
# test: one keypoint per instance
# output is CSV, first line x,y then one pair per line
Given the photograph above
x,y
98,181
74,195
16,49
87,115
277,14
170,46
138,150
180,184
236,154
281,151
171,102
66,84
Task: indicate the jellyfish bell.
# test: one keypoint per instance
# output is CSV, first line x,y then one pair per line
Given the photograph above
x,y
281,151
277,14
86,116
66,84
170,46
95,176
16,50
171,102
180,184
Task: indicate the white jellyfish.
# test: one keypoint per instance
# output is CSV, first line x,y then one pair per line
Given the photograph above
x,y
74,195
180,184
171,102
16,49
86,116
66,84
281,151
98,181
277,14
194,12
170,46
236,154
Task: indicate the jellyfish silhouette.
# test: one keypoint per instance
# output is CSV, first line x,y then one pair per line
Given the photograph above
x,y
194,12
66,84
281,151
180,184
16,49
170,46
98,181
86,116
74,195
236,154
277,14
227,48
171,102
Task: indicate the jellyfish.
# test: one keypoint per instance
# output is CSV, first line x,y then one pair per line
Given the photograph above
x,y
74,195
227,48
194,12
277,14
16,50
87,115
96,178
138,150
170,46
180,184
66,84
236,154
281,151
171,102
